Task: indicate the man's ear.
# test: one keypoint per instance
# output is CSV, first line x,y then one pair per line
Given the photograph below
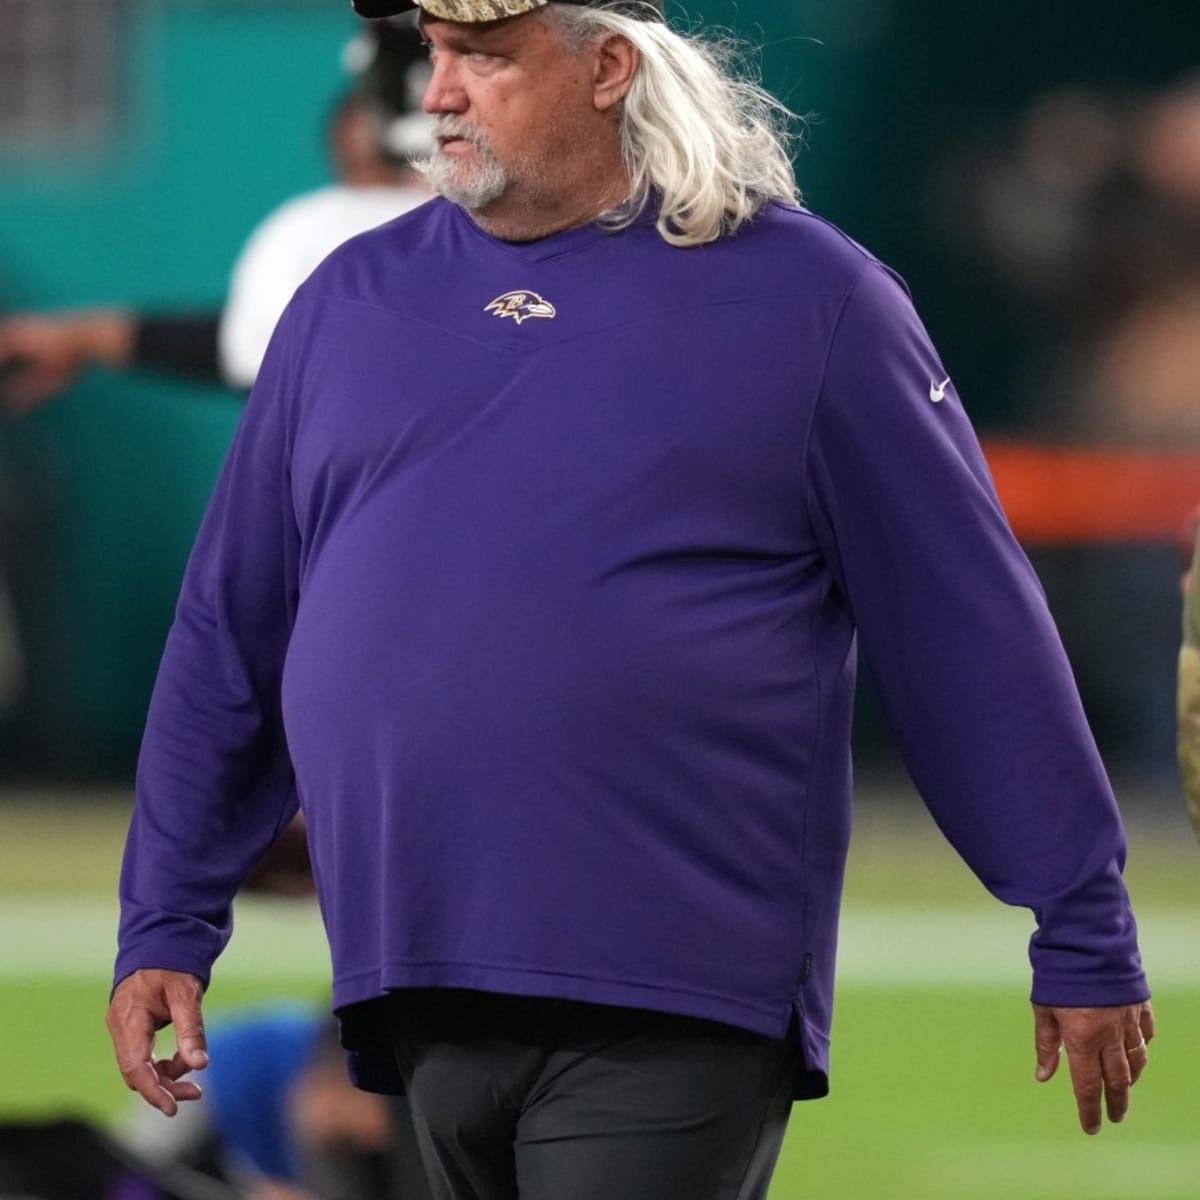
x,y
616,64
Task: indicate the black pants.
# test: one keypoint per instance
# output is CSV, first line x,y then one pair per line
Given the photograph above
x,y
556,1100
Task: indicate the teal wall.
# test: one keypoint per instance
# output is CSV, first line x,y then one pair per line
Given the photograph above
x,y
222,105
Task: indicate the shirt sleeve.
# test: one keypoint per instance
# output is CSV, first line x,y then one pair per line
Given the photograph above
x,y
214,781
971,672
182,344
1189,694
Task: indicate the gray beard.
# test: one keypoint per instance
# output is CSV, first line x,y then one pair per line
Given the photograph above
x,y
471,188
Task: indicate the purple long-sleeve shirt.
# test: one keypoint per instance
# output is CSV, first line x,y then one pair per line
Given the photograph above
x,y
545,611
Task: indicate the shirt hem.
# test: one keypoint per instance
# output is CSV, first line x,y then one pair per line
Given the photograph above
x,y
525,981
778,1022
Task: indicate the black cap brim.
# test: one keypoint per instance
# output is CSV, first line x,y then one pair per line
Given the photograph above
x,y
481,11
373,9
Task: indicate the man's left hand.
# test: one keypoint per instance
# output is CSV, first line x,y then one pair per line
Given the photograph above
x,y
1106,1052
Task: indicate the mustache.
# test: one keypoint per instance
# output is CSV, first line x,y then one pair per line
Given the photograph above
x,y
447,126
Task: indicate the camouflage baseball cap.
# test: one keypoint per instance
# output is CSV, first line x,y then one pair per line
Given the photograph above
x,y
474,11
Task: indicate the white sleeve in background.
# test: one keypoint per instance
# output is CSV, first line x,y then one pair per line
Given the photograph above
x,y
280,255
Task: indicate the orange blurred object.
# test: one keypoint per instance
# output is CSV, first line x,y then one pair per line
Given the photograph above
x,y
1076,494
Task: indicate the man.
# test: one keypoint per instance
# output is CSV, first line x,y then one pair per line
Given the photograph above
x,y
535,576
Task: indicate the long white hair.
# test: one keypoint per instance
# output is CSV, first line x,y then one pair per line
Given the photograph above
x,y
697,131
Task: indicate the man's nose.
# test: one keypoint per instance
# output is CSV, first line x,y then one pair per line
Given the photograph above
x,y
444,93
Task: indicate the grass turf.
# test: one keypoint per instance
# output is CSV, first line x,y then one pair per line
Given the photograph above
x,y
933,1091
933,1097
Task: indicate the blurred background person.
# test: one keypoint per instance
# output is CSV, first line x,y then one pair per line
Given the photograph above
x,y
279,1119
1092,212
374,133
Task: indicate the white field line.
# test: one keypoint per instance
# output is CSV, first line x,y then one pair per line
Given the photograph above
x,y
989,947
879,946
76,939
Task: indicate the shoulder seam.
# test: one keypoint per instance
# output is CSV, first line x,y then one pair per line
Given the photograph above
x,y
819,390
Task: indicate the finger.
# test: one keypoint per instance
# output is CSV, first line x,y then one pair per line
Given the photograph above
x,y
173,1068
1146,1022
1139,1028
1087,1081
1047,1039
184,1091
170,1078
1118,1079
1138,1057
133,1041
132,1032
183,1000
144,1079
157,1084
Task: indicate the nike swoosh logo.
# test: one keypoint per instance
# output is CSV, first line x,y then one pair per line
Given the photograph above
x,y
937,391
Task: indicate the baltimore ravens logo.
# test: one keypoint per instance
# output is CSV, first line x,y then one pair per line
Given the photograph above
x,y
521,306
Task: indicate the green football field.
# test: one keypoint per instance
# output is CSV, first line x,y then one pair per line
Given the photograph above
x,y
933,1092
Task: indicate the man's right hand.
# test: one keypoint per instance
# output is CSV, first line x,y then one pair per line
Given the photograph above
x,y
142,1004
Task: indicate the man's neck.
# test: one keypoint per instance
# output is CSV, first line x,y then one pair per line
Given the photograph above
x,y
513,219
